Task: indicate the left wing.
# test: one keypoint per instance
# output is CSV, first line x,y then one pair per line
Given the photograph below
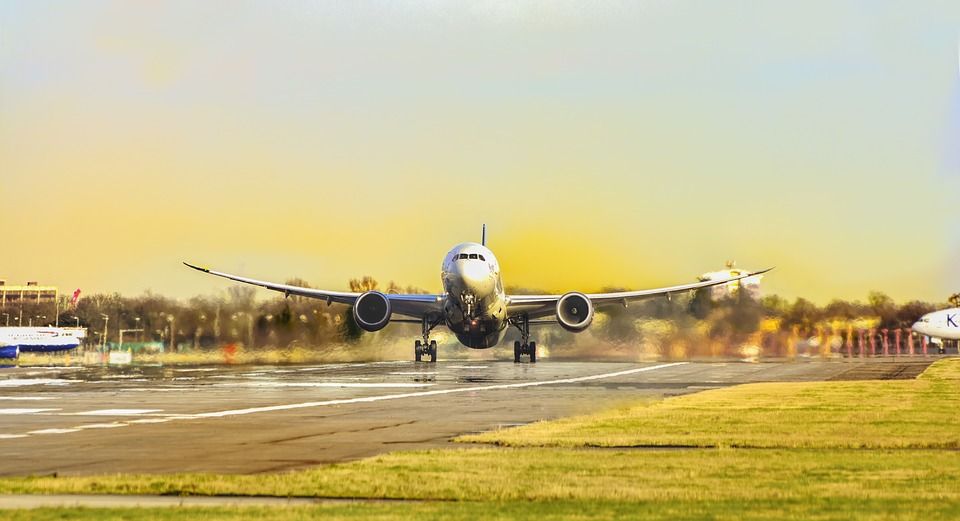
x,y
417,306
536,306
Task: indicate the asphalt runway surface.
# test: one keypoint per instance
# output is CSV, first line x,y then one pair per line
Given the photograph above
x,y
249,419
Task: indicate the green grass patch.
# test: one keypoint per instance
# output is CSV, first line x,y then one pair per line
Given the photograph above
x,y
549,474
921,413
815,509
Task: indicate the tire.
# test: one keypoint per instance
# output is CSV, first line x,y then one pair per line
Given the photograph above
x,y
417,350
516,352
533,352
433,351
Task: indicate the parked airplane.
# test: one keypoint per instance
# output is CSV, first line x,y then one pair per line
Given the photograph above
x,y
474,306
16,340
939,326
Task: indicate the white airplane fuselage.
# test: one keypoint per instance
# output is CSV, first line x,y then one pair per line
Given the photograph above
x,y
943,324
475,305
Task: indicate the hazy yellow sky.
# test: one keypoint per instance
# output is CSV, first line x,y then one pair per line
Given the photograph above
x,y
605,144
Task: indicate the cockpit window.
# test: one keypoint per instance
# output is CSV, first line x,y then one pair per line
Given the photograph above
x,y
463,255
481,258
473,255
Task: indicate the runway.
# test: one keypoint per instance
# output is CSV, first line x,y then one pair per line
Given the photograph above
x,y
249,419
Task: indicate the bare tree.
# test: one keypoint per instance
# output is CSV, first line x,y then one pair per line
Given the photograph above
x,y
367,283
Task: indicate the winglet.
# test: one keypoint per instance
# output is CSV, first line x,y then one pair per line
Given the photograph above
x,y
198,268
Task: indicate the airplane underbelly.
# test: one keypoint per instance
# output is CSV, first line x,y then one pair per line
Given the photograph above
x,y
480,340
478,333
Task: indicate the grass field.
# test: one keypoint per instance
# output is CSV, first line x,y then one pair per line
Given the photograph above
x,y
921,413
545,474
828,509
867,450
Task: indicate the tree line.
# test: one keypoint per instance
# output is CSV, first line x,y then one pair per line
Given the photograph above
x,y
695,324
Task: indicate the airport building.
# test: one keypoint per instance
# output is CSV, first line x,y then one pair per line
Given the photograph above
x,y
32,292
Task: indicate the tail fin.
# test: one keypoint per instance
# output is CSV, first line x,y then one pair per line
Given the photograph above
x,y
483,236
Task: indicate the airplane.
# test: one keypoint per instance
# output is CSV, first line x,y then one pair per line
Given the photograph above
x,y
939,326
16,340
474,305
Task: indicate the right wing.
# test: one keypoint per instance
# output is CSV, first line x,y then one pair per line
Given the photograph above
x,y
538,306
417,306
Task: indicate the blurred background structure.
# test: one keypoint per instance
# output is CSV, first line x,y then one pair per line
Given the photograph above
x,y
735,321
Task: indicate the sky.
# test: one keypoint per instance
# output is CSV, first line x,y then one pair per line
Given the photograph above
x,y
605,144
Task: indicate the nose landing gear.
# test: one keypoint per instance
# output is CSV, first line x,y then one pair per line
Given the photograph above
x,y
524,346
427,347
421,349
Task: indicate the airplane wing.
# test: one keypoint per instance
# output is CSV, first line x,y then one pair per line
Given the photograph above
x,y
536,306
417,306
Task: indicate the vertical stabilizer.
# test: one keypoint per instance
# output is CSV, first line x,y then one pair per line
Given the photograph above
x,y
483,236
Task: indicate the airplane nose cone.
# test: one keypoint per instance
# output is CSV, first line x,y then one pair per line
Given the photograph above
x,y
920,327
476,276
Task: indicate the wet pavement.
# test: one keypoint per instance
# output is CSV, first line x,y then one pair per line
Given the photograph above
x,y
248,419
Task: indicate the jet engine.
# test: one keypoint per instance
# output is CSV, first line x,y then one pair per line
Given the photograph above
x,y
372,311
574,312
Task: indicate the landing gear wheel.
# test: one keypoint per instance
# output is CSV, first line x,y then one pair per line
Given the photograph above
x,y
433,351
417,350
524,346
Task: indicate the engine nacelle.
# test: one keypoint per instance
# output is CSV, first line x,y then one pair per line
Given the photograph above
x,y
372,311
574,312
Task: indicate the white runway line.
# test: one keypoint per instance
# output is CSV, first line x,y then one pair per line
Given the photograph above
x,y
325,384
54,431
113,412
101,425
25,411
155,389
26,398
368,399
20,382
112,382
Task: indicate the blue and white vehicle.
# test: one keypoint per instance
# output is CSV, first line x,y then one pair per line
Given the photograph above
x,y
16,340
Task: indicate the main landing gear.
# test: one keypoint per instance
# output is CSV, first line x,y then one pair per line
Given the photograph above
x,y
524,346
427,347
